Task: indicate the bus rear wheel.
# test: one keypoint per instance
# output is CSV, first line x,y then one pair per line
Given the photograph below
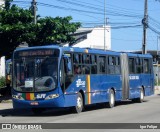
x,y
141,98
111,102
79,106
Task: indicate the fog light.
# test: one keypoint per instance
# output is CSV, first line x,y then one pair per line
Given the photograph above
x,y
19,97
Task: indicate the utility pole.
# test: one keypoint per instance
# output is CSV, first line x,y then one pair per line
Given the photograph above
x,y
104,24
145,26
34,9
158,38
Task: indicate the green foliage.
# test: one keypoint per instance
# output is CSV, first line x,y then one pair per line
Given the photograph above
x,y
7,4
14,23
156,83
2,82
16,26
53,30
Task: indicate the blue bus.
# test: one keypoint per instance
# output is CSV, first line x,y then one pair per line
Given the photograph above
x,y
52,77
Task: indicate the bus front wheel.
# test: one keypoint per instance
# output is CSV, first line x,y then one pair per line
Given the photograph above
x,y
79,107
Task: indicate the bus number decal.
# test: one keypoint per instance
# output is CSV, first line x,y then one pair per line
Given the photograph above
x,y
134,77
40,96
79,82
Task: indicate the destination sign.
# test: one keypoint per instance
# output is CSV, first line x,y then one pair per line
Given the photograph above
x,y
39,52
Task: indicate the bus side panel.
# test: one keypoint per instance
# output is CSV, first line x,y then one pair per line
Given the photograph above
x,y
100,85
147,82
94,87
134,86
77,84
70,100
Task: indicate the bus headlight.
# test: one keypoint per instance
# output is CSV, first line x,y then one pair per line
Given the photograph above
x,y
19,97
52,96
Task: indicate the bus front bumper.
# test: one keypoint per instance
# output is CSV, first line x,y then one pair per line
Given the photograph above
x,y
50,103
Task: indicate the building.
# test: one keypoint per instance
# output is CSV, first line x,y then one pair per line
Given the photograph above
x,y
2,58
1,3
92,38
2,66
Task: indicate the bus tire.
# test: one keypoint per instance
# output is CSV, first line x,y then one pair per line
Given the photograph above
x,y
141,98
111,102
79,106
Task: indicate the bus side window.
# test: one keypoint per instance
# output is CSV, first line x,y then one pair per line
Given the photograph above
x,y
111,67
76,58
117,66
150,66
139,65
146,66
102,64
86,59
85,69
77,69
131,66
93,64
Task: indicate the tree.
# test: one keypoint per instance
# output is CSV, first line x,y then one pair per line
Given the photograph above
x,y
14,23
52,31
16,27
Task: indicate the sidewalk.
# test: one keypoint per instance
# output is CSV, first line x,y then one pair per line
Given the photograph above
x,y
6,99
4,106
157,90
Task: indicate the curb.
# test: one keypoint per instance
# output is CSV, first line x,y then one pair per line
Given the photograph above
x,y
6,101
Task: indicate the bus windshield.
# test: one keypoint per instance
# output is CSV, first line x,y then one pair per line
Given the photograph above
x,y
35,74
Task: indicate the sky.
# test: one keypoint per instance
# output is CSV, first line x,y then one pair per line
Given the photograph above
x,y
124,17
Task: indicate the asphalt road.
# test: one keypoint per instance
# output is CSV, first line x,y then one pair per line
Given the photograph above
x,y
123,112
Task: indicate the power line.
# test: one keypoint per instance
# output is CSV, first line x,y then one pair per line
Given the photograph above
x,y
81,5
131,26
72,9
153,29
98,10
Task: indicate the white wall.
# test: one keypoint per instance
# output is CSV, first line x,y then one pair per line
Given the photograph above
x,y
1,3
2,66
95,39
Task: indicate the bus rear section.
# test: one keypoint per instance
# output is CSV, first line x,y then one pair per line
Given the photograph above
x,y
137,76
